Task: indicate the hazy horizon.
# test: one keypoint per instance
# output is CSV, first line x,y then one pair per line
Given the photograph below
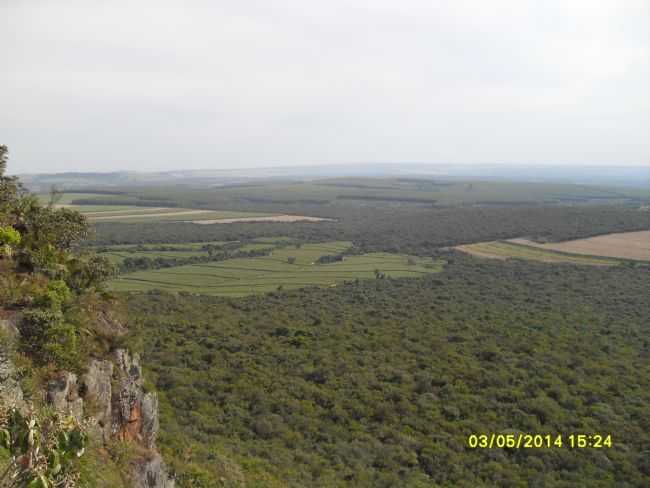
x,y
159,86
408,167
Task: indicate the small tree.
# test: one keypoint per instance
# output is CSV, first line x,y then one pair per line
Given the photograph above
x,y
9,237
291,260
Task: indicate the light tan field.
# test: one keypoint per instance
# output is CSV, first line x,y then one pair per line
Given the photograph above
x,y
127,215
511,250
627,245
270,218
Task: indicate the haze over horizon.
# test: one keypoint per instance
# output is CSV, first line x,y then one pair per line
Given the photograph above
x,y
171,85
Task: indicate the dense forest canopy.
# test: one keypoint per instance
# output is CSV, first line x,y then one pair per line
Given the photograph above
x,y
408,230
379,383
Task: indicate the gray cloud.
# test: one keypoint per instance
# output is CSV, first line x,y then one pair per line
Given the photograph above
x,y
102,85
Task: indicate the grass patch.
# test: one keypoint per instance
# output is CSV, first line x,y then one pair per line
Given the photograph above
x,y
286,268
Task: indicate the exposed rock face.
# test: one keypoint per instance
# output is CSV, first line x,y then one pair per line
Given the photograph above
x,y
150,422
63,395
108,324
10,391
112,392
135,418
97,391
135,412
151,473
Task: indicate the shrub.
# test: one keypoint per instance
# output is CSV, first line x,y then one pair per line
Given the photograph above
x,y
48,338
43,453
9,237
55,296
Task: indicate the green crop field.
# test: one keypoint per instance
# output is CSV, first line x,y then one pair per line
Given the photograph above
x,y
124,212
117,257
244,276
508,250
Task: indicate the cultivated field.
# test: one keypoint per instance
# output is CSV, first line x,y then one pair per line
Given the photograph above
x,y
511,250
627,245
138,213
244,276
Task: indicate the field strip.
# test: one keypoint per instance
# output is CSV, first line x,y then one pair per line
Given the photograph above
x,y
269,218
478,251
509,250
217,285
241,276
149,214
128,211
625,245
194,274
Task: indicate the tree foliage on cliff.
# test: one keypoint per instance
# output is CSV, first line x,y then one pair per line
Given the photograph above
x,y
43,276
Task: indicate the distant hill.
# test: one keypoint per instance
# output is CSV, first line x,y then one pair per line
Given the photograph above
x,y
593,175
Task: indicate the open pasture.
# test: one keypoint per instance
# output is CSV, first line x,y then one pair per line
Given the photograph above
x,y
626,245
288,267
511,250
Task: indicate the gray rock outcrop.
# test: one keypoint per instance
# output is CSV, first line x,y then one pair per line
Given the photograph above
x,y
11,394
63,395
135,413
111,392
97,392
152,473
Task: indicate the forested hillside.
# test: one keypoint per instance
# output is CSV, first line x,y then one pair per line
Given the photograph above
x,y
379,383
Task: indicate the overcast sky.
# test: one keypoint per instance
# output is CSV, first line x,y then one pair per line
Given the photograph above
x,y
151,85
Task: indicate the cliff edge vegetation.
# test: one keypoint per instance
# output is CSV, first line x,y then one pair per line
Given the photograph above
x,y
74,410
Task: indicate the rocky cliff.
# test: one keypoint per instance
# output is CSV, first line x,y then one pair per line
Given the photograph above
x,y
110,395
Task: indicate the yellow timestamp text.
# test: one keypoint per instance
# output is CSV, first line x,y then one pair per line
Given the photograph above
x,y
539,441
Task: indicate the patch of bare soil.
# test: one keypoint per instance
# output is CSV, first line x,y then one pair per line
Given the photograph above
x,y
627,245
146,215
